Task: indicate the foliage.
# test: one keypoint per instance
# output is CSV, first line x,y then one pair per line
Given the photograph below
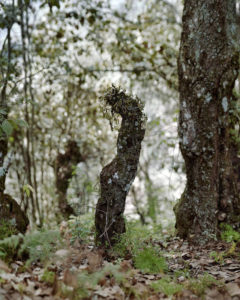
x,y
228,234
133,241
199,286
77,50
37,245
149,261
7,228
9,247
48,276
218,257
167,286
40,245
81,228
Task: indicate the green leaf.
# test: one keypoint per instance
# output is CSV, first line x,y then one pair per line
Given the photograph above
x,y
3,112
27,188
22,123
7,127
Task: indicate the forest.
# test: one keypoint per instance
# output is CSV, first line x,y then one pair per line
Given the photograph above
x,y
119,149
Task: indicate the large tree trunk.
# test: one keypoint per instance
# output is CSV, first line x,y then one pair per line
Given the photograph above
x,y
207,69
64,172
116,178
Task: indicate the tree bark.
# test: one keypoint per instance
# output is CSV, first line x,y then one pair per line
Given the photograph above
x,y
207,70
3,153
64,171
116,178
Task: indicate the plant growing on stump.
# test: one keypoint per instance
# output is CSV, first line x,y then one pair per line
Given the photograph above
x,y
116,178
207,68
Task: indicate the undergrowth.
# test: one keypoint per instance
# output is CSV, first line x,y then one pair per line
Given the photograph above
x,y
199,286
228,234
40,245
7,228
86,282
36,246
167,286
137,243
81,228
9,247
149,261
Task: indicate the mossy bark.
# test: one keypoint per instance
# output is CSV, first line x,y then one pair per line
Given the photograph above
x,y
64,172
207,69
116,178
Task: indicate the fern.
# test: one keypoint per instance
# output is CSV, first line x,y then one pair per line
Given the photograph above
x,y
149,261
9,247
40,245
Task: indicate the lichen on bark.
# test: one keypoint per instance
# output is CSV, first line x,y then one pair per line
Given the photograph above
x,y
117,177
207,69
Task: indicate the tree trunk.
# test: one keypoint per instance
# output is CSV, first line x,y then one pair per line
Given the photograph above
x,y
207,69
3,153
64,172
116,178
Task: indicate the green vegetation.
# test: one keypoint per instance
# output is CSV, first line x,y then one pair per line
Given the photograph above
x,y
48,276
167,286
36,246
217,256
137,242
135,238
199,286
9,247
40,245
228,234
148,261
7,228
81,228
86,282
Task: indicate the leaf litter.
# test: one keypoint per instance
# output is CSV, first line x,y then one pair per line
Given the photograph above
x,y
85,272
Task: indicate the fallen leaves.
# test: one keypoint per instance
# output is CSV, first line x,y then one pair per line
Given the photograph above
x,y
83,272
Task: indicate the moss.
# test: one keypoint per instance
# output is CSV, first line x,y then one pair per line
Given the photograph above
x,y
183,217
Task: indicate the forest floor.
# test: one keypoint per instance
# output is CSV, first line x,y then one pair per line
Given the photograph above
x,y
164,268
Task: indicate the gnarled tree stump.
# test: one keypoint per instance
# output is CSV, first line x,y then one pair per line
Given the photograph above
x,y
116,178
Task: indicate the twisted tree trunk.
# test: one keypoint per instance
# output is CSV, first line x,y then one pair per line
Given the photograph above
x,y
116,178
64,172
207,68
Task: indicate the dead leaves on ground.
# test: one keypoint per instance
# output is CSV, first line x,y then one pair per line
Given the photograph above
x,y
100,279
